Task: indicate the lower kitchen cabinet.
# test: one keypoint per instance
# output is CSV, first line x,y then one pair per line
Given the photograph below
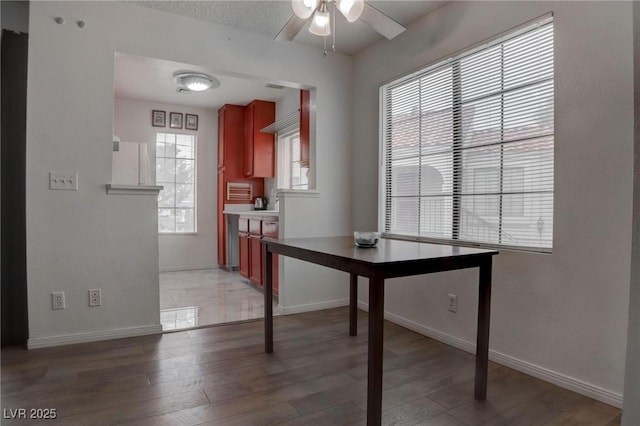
x,y
255,259
251,230
243,247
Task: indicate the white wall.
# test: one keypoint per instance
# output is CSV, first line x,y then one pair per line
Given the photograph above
x,y
561,316
323,288
88,239
631,408
132,123
288,103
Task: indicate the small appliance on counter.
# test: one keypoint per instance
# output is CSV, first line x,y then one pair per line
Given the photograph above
x,y
260,203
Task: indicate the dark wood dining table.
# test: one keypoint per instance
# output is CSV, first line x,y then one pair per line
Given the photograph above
x,y
391,258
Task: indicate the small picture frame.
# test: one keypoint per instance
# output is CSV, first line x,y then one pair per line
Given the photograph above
x,y
158,118
175,120
191,121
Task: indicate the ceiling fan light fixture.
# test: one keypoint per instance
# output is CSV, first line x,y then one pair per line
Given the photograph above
x,y
304,8
351,9
196,82
321,20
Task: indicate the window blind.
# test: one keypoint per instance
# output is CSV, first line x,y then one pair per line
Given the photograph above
x,y
467,145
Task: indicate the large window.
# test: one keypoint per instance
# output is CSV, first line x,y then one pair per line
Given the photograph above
x,y
176,171
292,173
468,146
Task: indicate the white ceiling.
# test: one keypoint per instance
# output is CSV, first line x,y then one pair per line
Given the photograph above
x,y
152,80
268,17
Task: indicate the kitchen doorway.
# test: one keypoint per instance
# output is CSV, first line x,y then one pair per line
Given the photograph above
x,y
166,136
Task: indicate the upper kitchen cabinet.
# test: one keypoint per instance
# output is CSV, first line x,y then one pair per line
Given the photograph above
x,y
305,107
231,141
259,148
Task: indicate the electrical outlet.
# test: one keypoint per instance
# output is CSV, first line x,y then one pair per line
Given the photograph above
x,y
57,300
67,181
453,303
95,297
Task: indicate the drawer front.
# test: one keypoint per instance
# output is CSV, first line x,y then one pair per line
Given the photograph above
x,y
270,229
243,225
255,226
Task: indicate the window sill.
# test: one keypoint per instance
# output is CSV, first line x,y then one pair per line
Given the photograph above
x,y
177,234
117,189
299,193
505,247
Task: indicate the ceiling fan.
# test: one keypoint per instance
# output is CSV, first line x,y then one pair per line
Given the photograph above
x,y
322,13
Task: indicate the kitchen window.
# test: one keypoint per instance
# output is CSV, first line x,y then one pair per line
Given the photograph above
x,y
176,171
292,174
467,146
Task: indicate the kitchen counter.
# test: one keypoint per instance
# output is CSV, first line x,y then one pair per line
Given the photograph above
x,y
253,213
231,218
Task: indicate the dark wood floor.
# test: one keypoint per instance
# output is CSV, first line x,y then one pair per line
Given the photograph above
x,y
316,376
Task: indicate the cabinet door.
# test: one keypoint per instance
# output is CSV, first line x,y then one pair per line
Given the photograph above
x,y
255,260
305,106
220,138
233,141
244,254
248,139
259,150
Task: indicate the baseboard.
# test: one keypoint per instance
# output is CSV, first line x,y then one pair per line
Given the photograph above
x,y
296,309
564,381
189,268
68,339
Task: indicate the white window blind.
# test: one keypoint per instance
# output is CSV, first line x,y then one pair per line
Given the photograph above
x,y
176,171
467,146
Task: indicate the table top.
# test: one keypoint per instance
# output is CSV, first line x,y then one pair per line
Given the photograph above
x,y
387,251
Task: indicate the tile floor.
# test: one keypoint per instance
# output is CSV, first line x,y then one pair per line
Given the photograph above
x,y
191,299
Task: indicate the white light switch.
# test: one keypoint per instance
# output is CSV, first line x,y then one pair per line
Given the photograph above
x,y
60,180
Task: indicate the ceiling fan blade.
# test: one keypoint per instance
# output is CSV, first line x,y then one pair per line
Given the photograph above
x,y
291,29
381,22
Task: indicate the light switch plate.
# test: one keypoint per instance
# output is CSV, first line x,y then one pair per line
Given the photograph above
x,y
63,180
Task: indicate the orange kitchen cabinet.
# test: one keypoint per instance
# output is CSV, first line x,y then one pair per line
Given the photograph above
x,y
251,230
305,111
259,148
230,169
255,250
243,247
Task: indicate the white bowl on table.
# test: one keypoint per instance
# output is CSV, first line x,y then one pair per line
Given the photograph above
x,y
366,238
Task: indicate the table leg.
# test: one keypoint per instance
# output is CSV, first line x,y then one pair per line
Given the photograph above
x,y
267,257
376,328
482,347
353,306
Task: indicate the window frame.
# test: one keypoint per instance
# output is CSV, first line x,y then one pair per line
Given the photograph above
x,y
284,138
195,183
425,70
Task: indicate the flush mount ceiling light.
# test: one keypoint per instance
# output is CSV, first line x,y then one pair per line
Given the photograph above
x,y
323,15
195,82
